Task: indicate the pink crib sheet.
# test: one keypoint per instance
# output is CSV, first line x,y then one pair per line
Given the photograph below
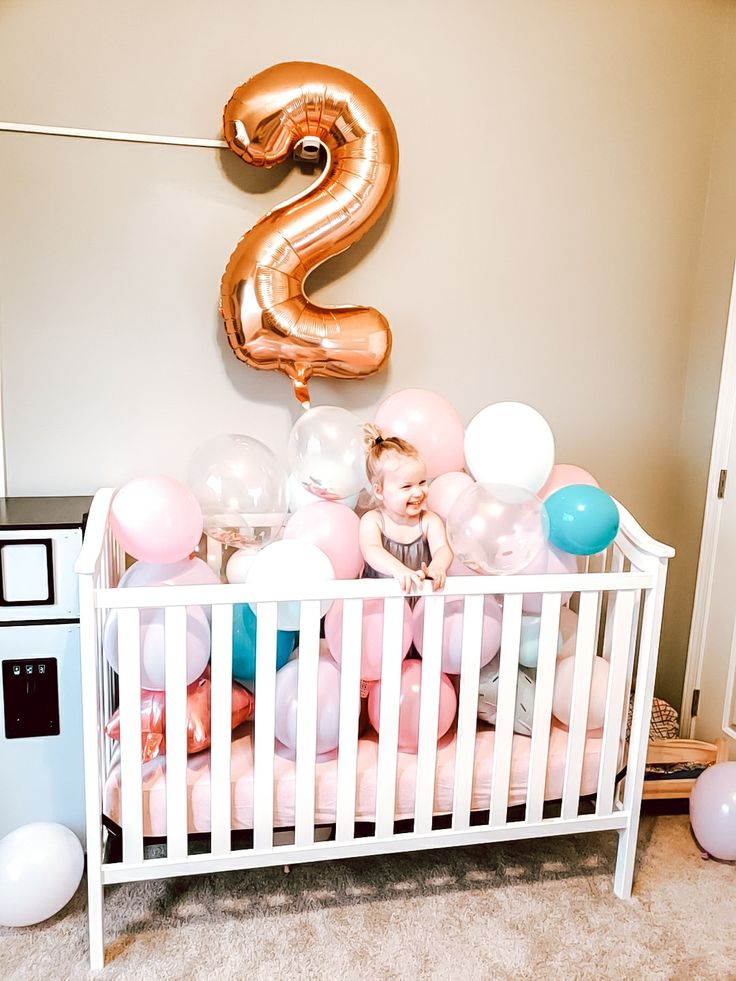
x,y
198,781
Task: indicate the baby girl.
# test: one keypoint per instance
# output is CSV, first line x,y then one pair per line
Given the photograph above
x,y
400,538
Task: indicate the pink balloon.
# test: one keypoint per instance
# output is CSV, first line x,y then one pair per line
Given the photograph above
x,y
550,561
713,810
563,475
458,569
562,696
328,708
372,636
334,528
452,631
445,490
430,423
409,702
156,519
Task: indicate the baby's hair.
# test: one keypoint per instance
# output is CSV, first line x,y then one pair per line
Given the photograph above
x,y
380,446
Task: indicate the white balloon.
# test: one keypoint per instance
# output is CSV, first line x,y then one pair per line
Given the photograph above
x,y
299,496
238,565
41,866
290,563
152,646
510,443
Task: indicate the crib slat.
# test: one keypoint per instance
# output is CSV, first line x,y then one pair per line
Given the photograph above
x,y
347,759
389,716
175,622
429,706
306,722
507,682
263,728
545,683
129,674
615,700
576,736
467,712
221,738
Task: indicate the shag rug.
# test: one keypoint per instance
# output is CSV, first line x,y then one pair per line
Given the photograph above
x,y
540,909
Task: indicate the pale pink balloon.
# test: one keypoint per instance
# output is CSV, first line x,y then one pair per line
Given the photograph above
x,y
713,810
564,475
569,631
334,528
430,423
156,519
452,631
562,696
409,704
550,561
328,708
445,490
458,569
372,636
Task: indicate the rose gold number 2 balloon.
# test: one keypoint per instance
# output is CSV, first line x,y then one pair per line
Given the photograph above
x,y
270,322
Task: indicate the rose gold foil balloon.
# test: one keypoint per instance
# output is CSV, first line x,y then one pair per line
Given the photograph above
x,y
270,322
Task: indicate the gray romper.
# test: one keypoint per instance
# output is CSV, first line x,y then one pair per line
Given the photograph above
x,y
411,554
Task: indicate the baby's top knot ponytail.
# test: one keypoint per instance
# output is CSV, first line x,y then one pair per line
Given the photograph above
x,y
379,446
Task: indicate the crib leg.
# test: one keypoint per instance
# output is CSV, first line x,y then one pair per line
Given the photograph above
x,y
96,920
625,859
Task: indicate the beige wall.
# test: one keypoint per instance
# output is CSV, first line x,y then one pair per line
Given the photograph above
x,y
708,324
542,246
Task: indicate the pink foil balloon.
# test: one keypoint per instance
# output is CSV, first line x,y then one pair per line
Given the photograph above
x,y
328,707
549,562
452,631
562,697
156,519
372,636
713,810
430,423
445,490
334,528
563,475
409,703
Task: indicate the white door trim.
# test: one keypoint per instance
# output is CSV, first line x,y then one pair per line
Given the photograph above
x,y
722,433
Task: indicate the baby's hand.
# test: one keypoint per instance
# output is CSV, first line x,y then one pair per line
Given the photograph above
x,y
410,578
436,573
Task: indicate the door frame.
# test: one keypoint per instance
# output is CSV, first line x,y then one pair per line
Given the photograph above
x,y
722,436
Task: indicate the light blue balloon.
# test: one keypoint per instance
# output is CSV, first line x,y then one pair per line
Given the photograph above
x,y
529,642
583,520
245,626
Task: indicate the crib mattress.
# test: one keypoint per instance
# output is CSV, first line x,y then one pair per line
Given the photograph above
x,y
198,781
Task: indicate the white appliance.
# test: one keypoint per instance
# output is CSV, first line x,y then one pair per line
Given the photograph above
x,y
41,763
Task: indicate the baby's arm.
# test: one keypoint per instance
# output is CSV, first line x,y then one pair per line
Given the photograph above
x,y
378,558
440,550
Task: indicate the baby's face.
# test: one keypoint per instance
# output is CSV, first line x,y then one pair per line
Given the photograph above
x,y
404,488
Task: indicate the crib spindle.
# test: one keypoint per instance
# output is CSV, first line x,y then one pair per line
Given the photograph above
x,y
129,671
221,735
175,652
347,760
467,712
393,619
429,706
623,614
507,682
306,721
263,729
585,649
545,683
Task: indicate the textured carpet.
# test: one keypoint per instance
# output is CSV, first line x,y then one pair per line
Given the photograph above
x,y
541,909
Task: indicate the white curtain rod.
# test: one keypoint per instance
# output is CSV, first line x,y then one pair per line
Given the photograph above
x,y
102,134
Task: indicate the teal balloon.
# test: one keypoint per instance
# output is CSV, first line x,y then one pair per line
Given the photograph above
x,y
583,520
245,626
529,641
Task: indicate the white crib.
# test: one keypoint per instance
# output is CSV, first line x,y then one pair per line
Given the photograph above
x,y
619,597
